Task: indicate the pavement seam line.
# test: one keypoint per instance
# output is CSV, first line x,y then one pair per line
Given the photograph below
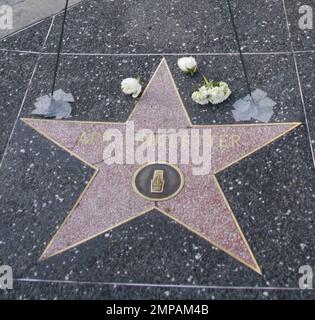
x,y
25,95
299,83
128,284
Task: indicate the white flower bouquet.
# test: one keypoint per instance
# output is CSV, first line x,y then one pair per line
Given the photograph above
x,y
212,92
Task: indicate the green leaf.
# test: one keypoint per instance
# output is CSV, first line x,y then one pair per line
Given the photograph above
x,y
138,77
215,84
205,80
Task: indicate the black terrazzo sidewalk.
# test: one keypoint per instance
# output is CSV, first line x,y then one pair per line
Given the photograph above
x,y
272,192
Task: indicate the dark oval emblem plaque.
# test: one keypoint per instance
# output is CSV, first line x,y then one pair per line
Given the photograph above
x,y
158,182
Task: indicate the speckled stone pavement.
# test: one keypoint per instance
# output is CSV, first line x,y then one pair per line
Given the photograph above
x,y
271,192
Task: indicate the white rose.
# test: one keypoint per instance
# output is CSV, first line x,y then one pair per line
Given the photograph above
x,y
131,86
201,96
187,64
218,94
204,90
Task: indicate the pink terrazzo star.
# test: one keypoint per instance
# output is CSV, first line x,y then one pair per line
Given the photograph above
x,y
109,200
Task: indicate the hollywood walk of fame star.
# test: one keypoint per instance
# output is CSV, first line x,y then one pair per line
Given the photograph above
x,y
109,199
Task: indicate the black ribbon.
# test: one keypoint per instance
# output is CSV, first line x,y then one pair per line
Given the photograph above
x,y
239,48
59,48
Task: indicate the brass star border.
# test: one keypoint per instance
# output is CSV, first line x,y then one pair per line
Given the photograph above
x,y
39,126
